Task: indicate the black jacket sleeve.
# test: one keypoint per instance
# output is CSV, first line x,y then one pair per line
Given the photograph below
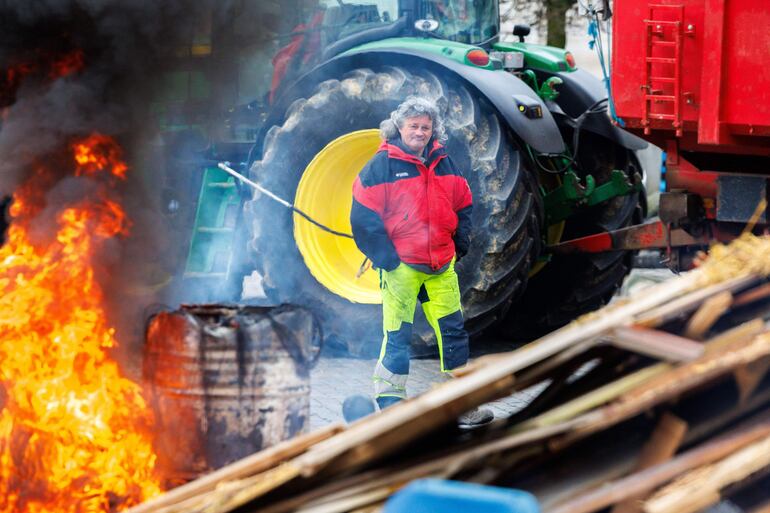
x,y
371,238
462,237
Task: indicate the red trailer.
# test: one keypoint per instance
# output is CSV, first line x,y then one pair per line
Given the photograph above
x,y
695,72
693,77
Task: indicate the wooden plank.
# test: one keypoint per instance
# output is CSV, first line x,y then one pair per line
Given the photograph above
x,y
733,339
591,400
743,331
375,508
653,477
345,504
700,487
248,466
688,302
707,314
656,344
755,294
661,446
480,363
749,376
664,442
393,477
230,494
541,371
672,384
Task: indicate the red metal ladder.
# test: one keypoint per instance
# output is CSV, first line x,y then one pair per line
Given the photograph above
x,y
666,33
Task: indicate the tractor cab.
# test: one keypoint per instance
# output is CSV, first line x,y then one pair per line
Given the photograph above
x,y
465,21
342,19
337,26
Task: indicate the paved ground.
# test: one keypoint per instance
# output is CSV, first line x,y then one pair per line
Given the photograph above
x,y
334,379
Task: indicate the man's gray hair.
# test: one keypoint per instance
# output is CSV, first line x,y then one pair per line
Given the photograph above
x,y
413,106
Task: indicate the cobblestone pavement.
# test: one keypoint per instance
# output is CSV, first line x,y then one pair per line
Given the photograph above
x,y
334,379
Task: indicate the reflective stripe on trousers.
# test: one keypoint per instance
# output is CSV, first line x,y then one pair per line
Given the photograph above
x,y
400,288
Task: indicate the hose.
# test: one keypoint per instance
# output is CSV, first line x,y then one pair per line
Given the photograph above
x,y
595,31
225,166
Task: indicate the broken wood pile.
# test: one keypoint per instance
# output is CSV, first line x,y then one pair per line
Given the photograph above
x,y
657,403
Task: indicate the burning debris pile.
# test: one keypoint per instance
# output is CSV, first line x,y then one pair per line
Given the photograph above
x,y
657,403
75,435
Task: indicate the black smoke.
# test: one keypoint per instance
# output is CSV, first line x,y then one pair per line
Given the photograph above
x,y
122,49
120,43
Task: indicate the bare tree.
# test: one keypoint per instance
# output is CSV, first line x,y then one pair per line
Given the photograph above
x,y
553,16
556,16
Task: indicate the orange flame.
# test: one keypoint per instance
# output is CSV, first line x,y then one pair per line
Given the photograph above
x,y
48,65
97,153
74,433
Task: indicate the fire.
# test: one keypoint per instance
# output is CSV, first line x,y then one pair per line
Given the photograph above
x,y
97,153
74,433
50,65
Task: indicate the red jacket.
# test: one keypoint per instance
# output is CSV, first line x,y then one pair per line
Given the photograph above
x,y
408,211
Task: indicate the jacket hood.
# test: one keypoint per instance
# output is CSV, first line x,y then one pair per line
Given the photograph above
x,y
397,149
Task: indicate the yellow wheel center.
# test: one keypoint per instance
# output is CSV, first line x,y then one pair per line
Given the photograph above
x,y
325,193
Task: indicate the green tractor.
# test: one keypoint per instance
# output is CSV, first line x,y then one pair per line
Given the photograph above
x,y
528,129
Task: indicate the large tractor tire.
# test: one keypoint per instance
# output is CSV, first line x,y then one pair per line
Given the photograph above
x,y
571,285
312,160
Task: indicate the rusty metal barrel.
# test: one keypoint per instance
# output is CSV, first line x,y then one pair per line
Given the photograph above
x,y
226,382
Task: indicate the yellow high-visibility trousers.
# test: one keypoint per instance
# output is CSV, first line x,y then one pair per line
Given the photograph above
x,y
440,298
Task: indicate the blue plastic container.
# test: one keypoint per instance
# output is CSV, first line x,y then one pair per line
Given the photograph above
x,y
442,496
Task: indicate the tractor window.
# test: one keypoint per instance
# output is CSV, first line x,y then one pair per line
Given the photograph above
x,y
344,18
465,21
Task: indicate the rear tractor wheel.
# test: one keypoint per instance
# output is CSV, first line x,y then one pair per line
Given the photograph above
x,y
312,160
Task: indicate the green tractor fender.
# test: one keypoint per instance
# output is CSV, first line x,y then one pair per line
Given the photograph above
x,y
517,103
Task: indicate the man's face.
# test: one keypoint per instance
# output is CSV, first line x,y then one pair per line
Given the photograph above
x,y
415,132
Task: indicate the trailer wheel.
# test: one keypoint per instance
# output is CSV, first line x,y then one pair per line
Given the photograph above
x,y
312,160
571,285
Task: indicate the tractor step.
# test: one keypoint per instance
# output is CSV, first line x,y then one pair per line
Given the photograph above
x,y
211,246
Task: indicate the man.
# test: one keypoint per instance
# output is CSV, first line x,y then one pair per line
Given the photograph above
x,y
411,217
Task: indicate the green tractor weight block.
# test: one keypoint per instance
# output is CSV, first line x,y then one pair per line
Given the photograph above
x,y
214,230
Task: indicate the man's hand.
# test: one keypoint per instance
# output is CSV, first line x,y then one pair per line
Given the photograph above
x,y
460,251
390,266
387,265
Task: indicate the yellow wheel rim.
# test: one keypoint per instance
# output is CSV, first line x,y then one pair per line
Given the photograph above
x,y
325,193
